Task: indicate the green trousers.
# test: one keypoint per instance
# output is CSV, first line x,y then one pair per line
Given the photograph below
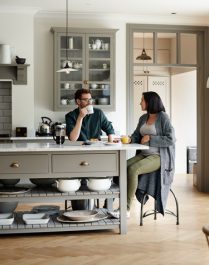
x,y
139,165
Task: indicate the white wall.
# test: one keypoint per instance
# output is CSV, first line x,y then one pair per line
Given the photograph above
x,y
44,67
17,31
184,115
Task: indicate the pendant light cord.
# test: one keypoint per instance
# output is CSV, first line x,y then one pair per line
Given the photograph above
x,y
67,29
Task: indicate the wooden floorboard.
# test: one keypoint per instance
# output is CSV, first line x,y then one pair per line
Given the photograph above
x,y
158,242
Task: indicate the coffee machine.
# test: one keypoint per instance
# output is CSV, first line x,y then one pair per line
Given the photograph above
x,y
59,133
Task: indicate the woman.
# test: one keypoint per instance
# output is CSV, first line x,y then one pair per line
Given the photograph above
x,y
154,129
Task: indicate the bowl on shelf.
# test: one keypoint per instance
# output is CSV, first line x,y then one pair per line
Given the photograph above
x,y
43,181
103,101
94,86
8,207
98,184
68,185
9,182
20,60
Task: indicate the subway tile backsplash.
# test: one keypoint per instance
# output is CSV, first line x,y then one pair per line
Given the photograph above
x,y
5,107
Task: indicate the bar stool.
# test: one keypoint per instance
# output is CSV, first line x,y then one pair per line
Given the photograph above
x,y
205,230
155,212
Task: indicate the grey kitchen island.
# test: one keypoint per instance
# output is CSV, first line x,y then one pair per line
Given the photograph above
x,y
48,160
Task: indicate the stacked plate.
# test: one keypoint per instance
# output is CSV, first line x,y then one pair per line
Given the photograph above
x,y
81,216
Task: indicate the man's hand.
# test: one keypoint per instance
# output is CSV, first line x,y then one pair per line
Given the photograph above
x,y
83,112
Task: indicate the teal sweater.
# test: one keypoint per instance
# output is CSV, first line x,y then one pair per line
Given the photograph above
x,y
92,125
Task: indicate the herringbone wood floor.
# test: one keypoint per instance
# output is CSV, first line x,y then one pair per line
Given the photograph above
x,y
157,242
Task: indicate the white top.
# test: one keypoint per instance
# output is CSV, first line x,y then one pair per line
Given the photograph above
x,y
67,146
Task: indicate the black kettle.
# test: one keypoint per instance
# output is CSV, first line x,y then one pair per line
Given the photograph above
x,y
45,126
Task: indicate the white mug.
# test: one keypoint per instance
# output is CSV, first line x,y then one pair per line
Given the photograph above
x,y
90,109
64,101
67,85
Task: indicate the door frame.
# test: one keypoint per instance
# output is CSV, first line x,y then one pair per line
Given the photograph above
x,y
202,67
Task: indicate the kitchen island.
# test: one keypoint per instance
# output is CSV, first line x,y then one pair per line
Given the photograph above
x,y
48,160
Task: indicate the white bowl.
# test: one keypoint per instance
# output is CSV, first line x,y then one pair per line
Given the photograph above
x,y
94,86
68,185
97,184
6,218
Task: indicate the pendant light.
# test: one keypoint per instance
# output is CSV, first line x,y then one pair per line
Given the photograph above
x,y
67,69
143,56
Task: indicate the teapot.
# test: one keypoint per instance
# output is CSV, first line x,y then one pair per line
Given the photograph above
x,y
98,43
45,126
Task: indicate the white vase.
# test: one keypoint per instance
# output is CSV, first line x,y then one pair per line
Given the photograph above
x,y
5,54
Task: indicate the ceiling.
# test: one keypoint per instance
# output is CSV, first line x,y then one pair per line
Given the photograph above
x,y
185,8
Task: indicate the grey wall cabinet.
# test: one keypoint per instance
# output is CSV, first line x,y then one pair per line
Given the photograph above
x,y
92,53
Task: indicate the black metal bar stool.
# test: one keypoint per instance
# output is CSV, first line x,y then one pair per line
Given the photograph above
x,y
155,212
205,230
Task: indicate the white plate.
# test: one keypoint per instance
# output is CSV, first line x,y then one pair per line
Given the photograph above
x,y
35,218
80,215
13,190
98,217
6,218
112,144
95,143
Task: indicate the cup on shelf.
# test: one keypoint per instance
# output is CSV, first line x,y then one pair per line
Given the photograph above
x,y
104,66
67,85
64,101
94,46
106,46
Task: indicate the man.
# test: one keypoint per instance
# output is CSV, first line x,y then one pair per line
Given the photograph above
x,y
81,126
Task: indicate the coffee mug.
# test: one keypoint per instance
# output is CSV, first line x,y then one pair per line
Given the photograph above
x,y
90,109
125,139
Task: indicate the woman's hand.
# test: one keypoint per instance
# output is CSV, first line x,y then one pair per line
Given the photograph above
x,y
145,139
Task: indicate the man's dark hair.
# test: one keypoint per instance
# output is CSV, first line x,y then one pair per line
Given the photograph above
x,y
79,92
154,102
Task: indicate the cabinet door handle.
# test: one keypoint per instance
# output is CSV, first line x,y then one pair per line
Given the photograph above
x,y
84,163
15,165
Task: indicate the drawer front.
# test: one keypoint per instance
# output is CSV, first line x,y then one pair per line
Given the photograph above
x,y
26,164
80,163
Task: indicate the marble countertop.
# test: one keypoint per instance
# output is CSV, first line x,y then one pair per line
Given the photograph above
x,y
67,146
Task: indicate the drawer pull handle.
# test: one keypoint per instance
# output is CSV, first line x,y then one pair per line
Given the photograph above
x,y
84,163
15,165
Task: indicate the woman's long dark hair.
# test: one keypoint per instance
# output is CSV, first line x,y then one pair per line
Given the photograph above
x,y
154,102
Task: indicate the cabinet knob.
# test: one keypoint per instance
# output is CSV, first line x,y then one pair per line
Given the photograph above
x,y
84,163
85,82
15,165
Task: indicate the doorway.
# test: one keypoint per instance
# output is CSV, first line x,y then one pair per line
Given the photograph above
x,y
178,68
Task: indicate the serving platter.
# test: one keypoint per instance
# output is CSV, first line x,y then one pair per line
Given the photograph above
x,y
80,215
98,217
13,190
35,218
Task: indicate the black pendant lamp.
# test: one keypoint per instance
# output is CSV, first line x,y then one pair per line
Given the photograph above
x,y
67,69
143,56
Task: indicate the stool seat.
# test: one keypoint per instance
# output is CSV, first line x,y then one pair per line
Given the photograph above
x,y
155,211
205,230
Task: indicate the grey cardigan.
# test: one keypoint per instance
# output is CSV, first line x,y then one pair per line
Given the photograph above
x,y
165,140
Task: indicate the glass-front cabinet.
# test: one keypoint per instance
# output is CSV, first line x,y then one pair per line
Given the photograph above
x,y
91,52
